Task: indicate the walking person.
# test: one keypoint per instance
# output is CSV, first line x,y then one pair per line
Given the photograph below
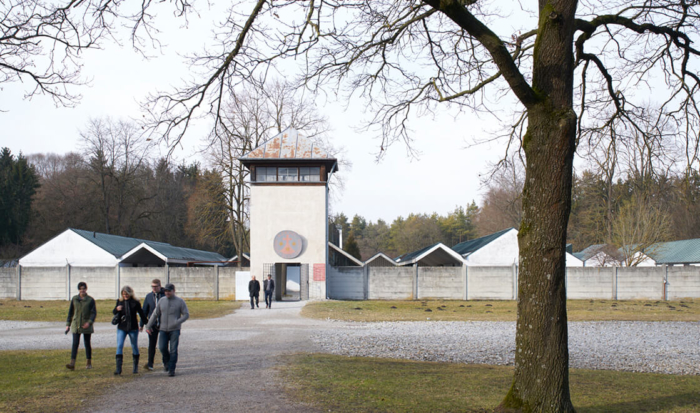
x,y
170,312
81,317
127,308
149,305
254,291
269,287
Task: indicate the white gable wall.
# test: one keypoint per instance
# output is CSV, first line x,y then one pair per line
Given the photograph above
x,y
68,248
501,251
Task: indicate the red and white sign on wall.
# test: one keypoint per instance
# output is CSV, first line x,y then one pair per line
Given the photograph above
x,y
319,272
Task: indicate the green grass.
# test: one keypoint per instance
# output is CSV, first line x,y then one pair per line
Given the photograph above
x,y
38,381
353,384
58,310
459,310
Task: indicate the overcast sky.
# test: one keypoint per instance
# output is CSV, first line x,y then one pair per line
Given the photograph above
x,y
444,175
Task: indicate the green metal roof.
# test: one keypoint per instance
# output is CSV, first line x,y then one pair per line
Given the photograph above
x,y
589,251
468,247
411,255
675,252
113,244
118,246
184,254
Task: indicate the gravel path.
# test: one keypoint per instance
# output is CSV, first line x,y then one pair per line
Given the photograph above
x,y
228,364
654,347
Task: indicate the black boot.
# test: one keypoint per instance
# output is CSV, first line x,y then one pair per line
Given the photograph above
x,y
136,363
120,360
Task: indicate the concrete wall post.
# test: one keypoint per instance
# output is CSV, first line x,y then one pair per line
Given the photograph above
x,y
68,282
465,270
614,283
415,281
19,282
365,282
167,273
216,282
117,279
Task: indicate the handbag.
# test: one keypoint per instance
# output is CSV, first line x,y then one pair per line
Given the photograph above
x,y
118,318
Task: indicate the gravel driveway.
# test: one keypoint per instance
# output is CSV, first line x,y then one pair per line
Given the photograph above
x,y
227,364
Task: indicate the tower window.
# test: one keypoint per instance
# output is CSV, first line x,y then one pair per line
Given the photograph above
x,y
310,174
264,174
288,174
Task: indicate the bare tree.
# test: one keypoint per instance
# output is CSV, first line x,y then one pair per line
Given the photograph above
x,y
407,56
638,228
117,154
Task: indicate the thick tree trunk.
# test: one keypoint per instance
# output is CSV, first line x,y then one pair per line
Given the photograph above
x,y
541,382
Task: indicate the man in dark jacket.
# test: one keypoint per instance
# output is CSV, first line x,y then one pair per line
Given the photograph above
x,y
269,287
254,291
149,304
170,312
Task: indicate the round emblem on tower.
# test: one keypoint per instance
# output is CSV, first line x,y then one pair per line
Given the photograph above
x,y
287,244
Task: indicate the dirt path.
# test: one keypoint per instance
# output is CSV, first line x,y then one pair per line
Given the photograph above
x,y
225,364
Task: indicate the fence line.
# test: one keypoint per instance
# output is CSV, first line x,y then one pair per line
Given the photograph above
x,y
61,283
357,283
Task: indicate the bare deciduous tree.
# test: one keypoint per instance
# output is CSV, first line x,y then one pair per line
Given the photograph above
x,y
578,66
638,228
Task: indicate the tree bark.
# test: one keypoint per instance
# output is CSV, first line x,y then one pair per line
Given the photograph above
x,y
541,380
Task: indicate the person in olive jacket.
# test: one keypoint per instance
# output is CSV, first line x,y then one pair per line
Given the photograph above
x,y
81,317
127,307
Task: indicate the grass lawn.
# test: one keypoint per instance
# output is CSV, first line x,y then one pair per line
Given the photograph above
x,y
352,384
459,310
38,381
58,310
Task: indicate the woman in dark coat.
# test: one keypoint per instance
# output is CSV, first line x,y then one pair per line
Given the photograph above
x,y
81,316
127,307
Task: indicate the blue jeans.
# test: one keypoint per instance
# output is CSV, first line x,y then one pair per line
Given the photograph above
x,y
133,337
167,343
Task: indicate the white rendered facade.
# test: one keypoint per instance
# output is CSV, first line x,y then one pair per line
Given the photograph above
x,y
284,207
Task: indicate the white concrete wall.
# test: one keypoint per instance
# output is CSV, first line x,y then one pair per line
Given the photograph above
x,y
502,251
391,283
490,283
139,278
68,248
194,282
683,282
590,283
346,283
8,283
100,280
441,282
635,283
302,209
44,283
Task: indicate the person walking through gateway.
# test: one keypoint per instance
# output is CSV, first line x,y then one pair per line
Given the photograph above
x,y
127,307
269,287
149,305
81,317
170,312
254,291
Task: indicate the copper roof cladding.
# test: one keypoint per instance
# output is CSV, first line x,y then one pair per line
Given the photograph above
x,y
288,146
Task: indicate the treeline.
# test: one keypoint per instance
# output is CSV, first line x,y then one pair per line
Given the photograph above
x,y
114,186
632,211
363,239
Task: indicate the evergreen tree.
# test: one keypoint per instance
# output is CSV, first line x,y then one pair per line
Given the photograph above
x,y
18,184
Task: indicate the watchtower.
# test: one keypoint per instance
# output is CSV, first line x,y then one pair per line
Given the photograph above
x,y
289,213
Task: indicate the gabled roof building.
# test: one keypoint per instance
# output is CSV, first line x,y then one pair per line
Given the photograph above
x,y
80,248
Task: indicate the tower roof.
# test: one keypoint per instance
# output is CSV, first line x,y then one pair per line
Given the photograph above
x,y
288,145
